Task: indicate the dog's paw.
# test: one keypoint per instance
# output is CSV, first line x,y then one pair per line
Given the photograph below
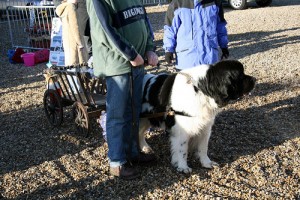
x,y
210,164
185,170
181,167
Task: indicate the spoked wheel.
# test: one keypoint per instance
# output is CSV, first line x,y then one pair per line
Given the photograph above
x,y
81,118
53,107
238,4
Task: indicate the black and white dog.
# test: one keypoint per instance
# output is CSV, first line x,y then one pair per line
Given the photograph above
x,y
189,102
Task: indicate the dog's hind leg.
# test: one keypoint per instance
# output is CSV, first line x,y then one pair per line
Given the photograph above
x,y
179,149
144,126
202,147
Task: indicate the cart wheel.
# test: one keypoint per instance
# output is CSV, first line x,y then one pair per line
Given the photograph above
x,y
53,107
81,118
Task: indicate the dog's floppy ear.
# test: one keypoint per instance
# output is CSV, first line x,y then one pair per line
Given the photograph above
x,y
221,98
218,90
164,93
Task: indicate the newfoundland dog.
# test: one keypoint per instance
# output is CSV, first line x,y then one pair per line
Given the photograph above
x,y
186,103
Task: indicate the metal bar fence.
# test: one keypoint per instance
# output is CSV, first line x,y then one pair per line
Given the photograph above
x,y
30,26
6,3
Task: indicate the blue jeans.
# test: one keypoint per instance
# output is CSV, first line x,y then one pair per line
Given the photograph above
x,y
119,115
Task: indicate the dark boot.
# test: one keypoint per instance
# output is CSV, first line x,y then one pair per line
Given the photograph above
x,y
144,158
125,172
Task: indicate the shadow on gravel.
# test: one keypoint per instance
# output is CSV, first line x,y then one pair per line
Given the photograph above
x,y
236,133
12,75
263,89
152,178
22,147
245,44
110,189
244,132
21,90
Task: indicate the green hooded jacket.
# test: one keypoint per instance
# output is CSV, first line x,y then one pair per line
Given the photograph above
x,y
120,30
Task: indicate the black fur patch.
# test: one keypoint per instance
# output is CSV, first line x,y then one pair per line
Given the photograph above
x,y
159,96
165,92
226,81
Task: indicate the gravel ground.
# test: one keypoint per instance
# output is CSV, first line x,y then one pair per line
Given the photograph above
x,y
256,141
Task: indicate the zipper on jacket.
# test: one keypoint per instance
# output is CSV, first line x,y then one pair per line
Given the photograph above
x,y
192,15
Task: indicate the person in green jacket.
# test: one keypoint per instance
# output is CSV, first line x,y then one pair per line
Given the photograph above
x,y
122,39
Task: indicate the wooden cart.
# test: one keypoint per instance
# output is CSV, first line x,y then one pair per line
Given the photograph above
x,y
70,86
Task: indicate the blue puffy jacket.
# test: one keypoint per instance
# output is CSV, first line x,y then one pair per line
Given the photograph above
x,y
194,30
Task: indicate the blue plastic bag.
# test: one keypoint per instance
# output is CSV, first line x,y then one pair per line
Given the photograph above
x,y
10,54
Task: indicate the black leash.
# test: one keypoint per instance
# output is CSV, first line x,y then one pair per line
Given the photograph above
x,y
134,130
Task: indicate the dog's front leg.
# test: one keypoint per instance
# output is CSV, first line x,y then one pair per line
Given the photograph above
x,y
202,148
144,126
179,149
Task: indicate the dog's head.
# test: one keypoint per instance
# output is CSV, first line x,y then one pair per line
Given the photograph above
x,y
227,81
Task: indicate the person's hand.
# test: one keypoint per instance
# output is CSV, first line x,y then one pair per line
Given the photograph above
x,y
152,58
138,61
169,57
225,53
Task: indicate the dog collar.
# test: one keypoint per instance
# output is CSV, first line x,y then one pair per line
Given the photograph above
x,y
188,77
190,80
172,112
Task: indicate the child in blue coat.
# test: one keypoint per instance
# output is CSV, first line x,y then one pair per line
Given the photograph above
x,y
195,30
